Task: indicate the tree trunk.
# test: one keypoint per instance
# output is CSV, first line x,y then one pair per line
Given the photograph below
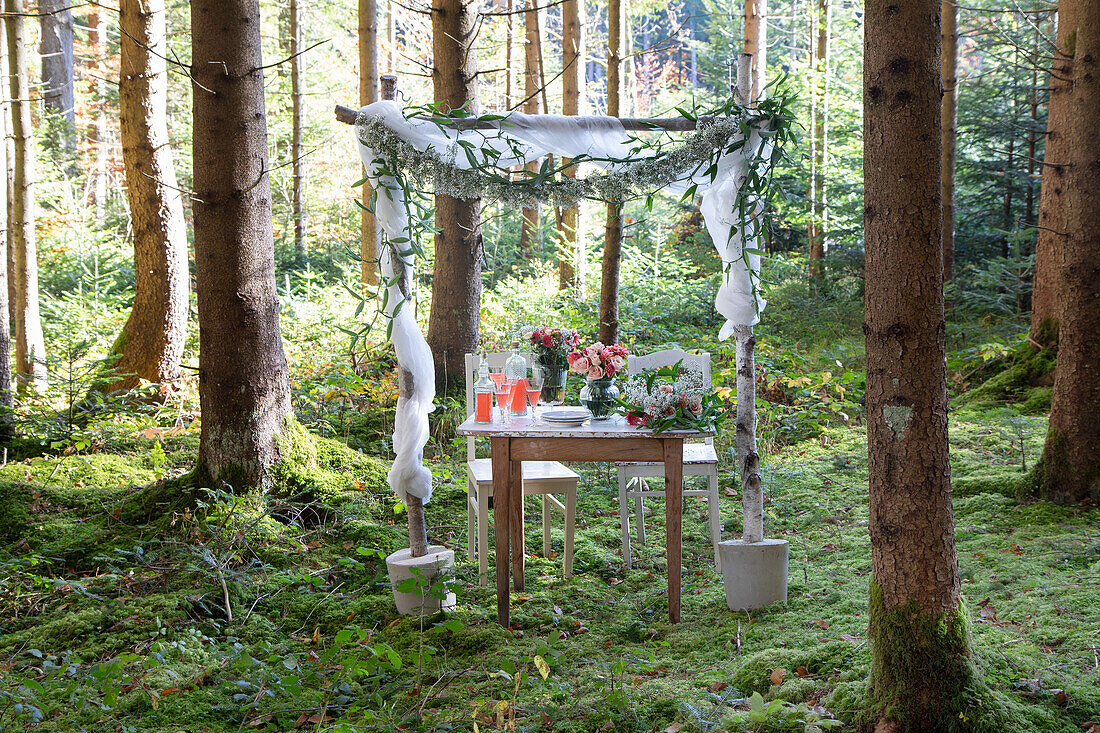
x,y
30,349
532,60
1048,244
370,234
1069,471
9,178
748,460
918,631
244,388
756,43
1032,129
949,107
151,344
818,245
97,46
7,397
1006,200
456,281
297,196
613,225
570,236
57,72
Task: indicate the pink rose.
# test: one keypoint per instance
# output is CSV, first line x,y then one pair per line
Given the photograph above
x,y
695,404
618,362
595,372
580,365
592,352
572,356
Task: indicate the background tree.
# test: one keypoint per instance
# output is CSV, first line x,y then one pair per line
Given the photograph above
x,y
30,350
151,344
244,389
920,655
613,226
1048,244
819,126
7,397
56,49
532,64
949,42
570,236
756,43
1069,471
9,170
97,46
369,233
297,152
456,281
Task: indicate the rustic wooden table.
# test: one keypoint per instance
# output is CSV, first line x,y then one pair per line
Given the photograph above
x,y
610,440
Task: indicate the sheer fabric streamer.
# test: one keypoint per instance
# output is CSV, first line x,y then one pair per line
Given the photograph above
x,y
523,138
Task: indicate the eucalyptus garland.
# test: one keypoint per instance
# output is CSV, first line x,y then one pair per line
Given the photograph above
x,y
662,165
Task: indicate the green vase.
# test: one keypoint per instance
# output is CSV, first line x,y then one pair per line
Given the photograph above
x,y
554,376
598,397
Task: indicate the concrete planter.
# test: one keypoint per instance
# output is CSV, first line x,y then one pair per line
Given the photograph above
x,y
437,565
755,573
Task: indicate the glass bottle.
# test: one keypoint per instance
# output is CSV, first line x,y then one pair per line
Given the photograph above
x,y
483,393
515,375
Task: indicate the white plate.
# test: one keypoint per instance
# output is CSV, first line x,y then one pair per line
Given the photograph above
x,y
565,416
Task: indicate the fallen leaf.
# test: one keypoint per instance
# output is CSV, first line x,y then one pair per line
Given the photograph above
x,y
777,676
718,687
851,637
1061,697
614,581
820,622
802,671
674,728
558,611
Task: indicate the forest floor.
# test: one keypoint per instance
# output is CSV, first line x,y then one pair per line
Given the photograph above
x,y
233,613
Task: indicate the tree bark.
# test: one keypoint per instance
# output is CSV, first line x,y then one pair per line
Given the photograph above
x,y
297,196
570,236
370,233
1069,471
456,281
613,224
748,460
151,344
30,350
920,646
532,61
949,106
244,388
56,49
1048,244
7,397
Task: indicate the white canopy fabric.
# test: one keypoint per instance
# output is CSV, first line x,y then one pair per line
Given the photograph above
x,y
520,139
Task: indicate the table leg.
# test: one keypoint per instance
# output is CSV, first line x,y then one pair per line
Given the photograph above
x,y
674,505
501,513
515,494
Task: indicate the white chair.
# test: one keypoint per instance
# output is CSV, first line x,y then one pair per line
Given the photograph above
x,y
700,459
539,477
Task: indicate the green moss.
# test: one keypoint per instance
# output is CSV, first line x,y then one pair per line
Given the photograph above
x,y
312,468
923,675
1025,380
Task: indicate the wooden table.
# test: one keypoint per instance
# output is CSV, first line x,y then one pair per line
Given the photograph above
x,y
611,440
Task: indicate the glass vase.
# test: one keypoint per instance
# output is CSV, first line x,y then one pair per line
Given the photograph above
x,y
554,375
598,397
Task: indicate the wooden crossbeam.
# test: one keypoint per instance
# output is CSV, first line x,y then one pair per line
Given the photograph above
x,y
347,115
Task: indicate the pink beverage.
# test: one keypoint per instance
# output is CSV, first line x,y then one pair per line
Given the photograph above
x,y
518,400
533,396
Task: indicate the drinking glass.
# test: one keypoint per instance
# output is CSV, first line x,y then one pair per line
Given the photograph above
x,y
534,391
503,391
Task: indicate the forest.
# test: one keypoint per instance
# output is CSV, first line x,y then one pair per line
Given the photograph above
x,y
252,473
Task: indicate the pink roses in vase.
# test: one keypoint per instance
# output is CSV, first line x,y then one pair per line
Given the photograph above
x,y
598,361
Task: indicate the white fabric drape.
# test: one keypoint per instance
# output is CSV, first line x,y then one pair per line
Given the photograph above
x,y
521,139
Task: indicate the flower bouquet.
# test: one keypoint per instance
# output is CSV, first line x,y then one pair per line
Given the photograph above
x,y
599,364
673,397
551,347
598,361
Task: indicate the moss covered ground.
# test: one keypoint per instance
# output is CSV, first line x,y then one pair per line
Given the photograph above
x,y
115,626
127,606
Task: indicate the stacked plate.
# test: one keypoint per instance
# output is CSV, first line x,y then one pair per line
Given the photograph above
x,y
569,418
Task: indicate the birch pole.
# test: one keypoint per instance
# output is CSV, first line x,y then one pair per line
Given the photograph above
x,y
418,531
748,461
369,233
